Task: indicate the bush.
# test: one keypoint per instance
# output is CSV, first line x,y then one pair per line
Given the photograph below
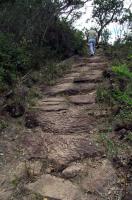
x,y
122,71
122,92
14,60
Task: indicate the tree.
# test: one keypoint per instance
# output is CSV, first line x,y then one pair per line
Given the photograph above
x,y
34,17
105,12
127,18
42,25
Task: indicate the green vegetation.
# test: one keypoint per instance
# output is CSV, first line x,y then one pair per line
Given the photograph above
x,y
109,144
35,36
14,59
53,71
3,125
116,92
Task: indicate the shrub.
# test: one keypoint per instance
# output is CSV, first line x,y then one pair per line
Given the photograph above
x,y
123,93
14,60
122,71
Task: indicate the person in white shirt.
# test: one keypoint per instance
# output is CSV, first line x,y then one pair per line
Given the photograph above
x,y
92,39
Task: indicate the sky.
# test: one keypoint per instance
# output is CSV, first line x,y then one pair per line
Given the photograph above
x,y
87,13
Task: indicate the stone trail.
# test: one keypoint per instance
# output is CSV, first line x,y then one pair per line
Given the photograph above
x,y
76,167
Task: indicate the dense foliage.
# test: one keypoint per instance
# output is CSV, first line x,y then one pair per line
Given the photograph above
x,y
14,59
33,32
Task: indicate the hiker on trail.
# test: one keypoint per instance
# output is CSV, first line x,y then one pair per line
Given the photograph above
x,y
92,39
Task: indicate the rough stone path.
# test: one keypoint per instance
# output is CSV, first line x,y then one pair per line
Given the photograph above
x,y
64,154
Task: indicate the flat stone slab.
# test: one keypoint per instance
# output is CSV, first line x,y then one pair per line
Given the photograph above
x,y
53,99
91,71
68,78
52,107
61,149
52,104
79,65
94,78
93,59
65,149
57,188
89,66
97,65
83,99
88,69
100,179
71,88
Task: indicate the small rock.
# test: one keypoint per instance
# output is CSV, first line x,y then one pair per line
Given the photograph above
x,y
122,133
73,170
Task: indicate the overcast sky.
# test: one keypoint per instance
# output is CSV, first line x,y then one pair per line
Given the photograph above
x,y
87,13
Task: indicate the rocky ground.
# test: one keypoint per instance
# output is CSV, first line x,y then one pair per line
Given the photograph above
x,y
62,158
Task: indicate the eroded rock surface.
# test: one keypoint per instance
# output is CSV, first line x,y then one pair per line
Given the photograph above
x,y
65,145
56,188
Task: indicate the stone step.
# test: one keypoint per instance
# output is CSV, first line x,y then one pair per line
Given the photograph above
x,y
52,104
53,99
88,78
79,65
71,88
68,78
89,68
83,99
100,65
95,59
52,108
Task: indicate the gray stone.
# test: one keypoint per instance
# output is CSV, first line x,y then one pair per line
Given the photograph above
x,y
5,194
56,188
61,149
100,178
68,148
23,168
53,99
52,104
92,78
71,88
52,108
79,65
83,99
73,170
97,65
95,59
